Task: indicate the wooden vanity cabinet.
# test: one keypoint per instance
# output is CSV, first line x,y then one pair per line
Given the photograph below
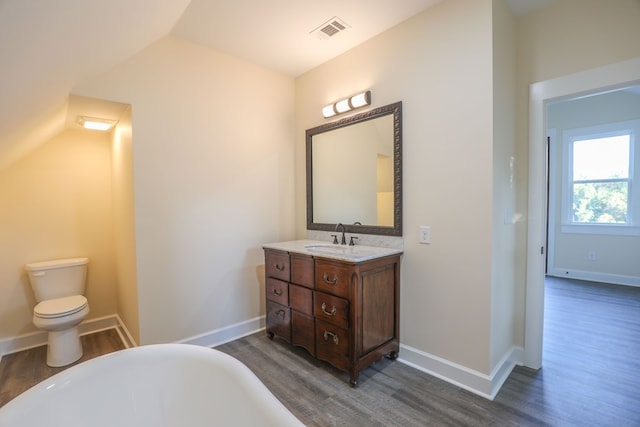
x,y
345,313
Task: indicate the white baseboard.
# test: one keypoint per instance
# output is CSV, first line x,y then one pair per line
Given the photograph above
x,y
616,279
484,385
476,382
226,334
39,338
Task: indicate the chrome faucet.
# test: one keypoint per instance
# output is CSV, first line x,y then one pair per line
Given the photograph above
x,y
343,241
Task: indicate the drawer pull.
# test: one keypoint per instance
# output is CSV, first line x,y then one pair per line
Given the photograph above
x,y
280,267
277,292
333,311
328,334
330,282
280,313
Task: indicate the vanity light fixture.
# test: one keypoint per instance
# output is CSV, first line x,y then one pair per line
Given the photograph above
x,y
93,123
356,101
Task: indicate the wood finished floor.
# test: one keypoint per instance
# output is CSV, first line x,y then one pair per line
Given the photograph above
x,y
590,374
24,369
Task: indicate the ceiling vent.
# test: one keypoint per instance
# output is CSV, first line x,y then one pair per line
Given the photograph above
x,y
330,28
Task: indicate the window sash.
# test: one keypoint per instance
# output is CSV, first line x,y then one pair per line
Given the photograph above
x,y
569,223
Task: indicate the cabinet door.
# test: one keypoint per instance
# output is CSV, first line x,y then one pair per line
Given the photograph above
x,y
333,277
332,344
302,270
331,309
277,291
302,331
279,320
301,299
277,264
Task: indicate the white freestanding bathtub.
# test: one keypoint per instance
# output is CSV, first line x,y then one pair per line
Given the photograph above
x,y
156,385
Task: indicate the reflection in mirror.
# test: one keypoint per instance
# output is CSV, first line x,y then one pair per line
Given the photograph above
x,y
354,173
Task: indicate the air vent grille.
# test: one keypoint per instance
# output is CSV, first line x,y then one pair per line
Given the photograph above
x,y
330,28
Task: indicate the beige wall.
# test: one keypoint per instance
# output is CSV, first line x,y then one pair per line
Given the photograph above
x,y
439,65
213,181
508,230
124,224
557,41
56,203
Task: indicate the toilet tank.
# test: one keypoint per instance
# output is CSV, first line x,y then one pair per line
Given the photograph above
x,y
58,278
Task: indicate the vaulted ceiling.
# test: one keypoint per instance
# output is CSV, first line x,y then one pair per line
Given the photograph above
x,y
48,47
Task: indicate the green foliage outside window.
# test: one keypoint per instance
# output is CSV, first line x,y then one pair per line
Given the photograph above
x,y
600,202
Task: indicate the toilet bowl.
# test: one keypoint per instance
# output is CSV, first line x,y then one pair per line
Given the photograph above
x,y
58,286
60,317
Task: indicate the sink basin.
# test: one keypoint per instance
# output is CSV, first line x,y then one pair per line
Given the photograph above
x,y
341,250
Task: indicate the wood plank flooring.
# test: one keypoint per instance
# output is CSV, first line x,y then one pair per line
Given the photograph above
x,y
24,369
590,374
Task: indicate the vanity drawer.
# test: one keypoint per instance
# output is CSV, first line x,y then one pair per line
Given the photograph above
x,y
277,290
333,278
302,327
332,344
302,270
301,299
278,265
279,320
331,309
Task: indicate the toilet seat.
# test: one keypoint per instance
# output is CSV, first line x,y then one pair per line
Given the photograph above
x,y
60,307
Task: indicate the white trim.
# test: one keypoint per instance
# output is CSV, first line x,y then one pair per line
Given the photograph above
x,y
591,276
228,333
619,75
601,229
552,134
39,338
569,137
471,380
124,333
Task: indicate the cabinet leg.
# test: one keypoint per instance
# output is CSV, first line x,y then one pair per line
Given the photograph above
x,y
270,335
393,355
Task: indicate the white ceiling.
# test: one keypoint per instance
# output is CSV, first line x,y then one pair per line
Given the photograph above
x,y
277,33
48,47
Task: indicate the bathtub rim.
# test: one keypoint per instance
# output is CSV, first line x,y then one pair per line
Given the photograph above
x,y
25,402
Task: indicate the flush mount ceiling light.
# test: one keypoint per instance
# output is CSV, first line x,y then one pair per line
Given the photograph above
x,y
94,123
356,101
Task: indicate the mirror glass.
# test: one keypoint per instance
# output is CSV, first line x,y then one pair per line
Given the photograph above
x,y
354,173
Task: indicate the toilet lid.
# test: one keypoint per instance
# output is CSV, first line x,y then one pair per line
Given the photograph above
x,y
59,307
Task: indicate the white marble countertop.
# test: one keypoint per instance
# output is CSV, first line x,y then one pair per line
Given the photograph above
x,y
319,248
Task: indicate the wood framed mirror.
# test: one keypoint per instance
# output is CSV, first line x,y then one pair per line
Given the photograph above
x,y
354,173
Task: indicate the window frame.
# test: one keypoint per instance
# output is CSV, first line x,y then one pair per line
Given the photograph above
x,y
569,136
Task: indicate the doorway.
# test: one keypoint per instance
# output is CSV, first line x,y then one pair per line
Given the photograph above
x,y
585,83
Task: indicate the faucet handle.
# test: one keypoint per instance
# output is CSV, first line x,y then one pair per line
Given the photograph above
x,y
335,239
351,242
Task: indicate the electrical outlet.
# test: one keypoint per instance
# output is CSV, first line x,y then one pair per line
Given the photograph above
x,y
425,234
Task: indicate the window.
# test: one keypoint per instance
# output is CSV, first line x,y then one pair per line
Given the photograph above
x,y
600,182
598,179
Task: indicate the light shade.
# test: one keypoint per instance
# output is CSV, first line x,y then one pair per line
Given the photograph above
x,y
360,100
328,111
347,104
93,123
343,106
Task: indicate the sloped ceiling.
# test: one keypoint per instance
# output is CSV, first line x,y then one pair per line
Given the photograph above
x,y
48,47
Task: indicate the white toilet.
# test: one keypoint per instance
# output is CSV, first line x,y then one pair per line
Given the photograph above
x,y
59,286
